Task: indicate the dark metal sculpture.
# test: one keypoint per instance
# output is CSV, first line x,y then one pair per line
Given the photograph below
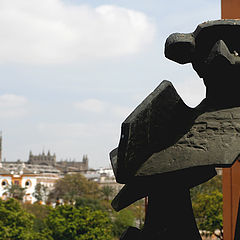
x,y
166,147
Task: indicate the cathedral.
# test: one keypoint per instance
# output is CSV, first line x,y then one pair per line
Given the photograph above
x,y
42,168
65,166
42,159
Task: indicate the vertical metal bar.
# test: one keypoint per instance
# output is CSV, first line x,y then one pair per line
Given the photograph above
x,y
230,9
227,203
237,229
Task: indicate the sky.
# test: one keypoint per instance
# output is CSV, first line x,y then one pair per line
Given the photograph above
x,y
73,70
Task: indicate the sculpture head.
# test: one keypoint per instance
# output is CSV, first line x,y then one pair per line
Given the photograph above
x,y
214,51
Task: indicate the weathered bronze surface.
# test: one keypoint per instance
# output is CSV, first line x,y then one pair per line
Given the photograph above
x,y
165,144
163,135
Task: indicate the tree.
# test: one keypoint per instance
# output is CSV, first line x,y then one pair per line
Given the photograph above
x,y
40,213
207,209
40,192
122,220
107,192
94,204
70,223
73,186
15,191
138,209
207,187
17,224
207,202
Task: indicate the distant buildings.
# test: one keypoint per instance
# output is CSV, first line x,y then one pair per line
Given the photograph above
x,y
46,170
42,159
26,176
64,166
104,177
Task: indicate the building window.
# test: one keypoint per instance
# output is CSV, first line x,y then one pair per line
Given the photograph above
x,y
28,184
4,183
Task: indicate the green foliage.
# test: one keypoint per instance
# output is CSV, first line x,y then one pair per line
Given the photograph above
x,y
17,224
107,192
15,191
208,210
122,220
138,209
207,187
39,222
94,204
40,212
70,223
73,186
207,202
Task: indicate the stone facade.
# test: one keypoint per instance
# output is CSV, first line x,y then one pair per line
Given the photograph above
x,y
67,166
46,170
42,159
27,176
64,166
104,177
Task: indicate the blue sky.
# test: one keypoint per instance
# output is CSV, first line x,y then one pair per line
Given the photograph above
x,y
72,71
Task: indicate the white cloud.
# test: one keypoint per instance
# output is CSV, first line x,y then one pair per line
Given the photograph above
x,y
77,138
75,129
11,100
91,105
97,106
12,106
43,32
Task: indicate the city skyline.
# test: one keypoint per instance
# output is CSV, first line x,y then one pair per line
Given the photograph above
x,y
50,157
72,71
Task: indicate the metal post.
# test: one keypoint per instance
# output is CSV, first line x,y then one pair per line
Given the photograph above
x,y
231,196
230,9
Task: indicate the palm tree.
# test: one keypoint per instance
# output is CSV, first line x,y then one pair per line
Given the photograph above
x,y
107,192
15,191
40,192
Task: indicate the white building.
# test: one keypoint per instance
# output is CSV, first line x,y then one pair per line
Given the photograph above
x,y
104,177
26,176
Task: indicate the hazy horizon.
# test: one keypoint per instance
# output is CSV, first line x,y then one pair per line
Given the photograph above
x,y
72,71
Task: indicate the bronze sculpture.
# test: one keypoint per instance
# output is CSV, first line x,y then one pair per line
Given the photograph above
x,y
167,147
